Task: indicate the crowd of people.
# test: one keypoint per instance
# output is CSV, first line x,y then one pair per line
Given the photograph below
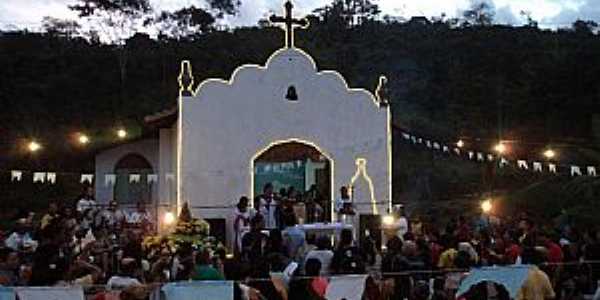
x,y
92,245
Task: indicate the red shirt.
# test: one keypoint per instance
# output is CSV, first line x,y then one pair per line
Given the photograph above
x,y
512,253
555,254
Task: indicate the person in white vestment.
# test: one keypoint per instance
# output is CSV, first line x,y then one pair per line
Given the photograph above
x,y
241,220
267,206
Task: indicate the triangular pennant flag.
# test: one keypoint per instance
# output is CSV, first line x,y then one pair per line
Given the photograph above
x,y
134,178
471,154
445,148
413,139
552,168
420,141
406,136
298,163
457,151
110,179
170,177
436,146
490,157
428,144
39,177
503,162
522,164
575,170
16,175
87,178
51,177
480,156
591,170
152,178
537,166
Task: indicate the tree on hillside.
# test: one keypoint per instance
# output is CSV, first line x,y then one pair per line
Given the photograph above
x,y
184,23
480,13
61,27
348,12
115,21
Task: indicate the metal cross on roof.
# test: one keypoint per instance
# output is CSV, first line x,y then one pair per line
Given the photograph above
x,y
289,22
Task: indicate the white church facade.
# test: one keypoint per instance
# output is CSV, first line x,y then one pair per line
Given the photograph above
x,y
206,151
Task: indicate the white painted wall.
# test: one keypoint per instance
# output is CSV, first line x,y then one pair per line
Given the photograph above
x,y
225,123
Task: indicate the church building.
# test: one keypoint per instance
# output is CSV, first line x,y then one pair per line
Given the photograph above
x,y
285,122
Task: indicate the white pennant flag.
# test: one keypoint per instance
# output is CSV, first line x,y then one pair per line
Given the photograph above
x,y
436,146
591,170
170,177
87,177
298,163
152,178
537,166
522,164
406,136
490,157
428,144
51,177
457,151
110,179
552,168
16,175
413,139
39,177
479,156
503,162
471,154
445,148
134,178
420,141
575,170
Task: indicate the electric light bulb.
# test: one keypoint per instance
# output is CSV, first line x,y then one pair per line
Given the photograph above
x,y
121,133
549,153
500,148
486,206
84,139
460,144
34,146
388,220
169,218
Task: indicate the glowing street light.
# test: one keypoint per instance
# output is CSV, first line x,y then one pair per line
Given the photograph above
x,y
34,146
460,144
121,133
83,139
169,218
549,153
500,148
486,206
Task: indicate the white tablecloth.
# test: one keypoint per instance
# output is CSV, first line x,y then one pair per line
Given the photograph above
x,y
324,228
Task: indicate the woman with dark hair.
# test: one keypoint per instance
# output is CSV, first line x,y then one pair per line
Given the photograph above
x,y
275,243
347,258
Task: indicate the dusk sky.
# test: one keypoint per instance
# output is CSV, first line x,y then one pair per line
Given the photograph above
x,y
549,13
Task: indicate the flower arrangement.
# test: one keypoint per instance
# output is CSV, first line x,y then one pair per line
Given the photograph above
x,y
188,232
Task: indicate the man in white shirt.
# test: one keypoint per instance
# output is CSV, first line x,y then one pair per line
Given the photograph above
x,y
87,200
113,217
140,216
267,206
322,253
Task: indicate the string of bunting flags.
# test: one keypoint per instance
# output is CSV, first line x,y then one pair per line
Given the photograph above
x,y
109,179
480,156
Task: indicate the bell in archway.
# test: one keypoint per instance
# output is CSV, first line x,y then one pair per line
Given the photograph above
x,y
291,94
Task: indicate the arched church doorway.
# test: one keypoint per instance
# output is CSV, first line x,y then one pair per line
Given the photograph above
x,y
301,175
129,190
